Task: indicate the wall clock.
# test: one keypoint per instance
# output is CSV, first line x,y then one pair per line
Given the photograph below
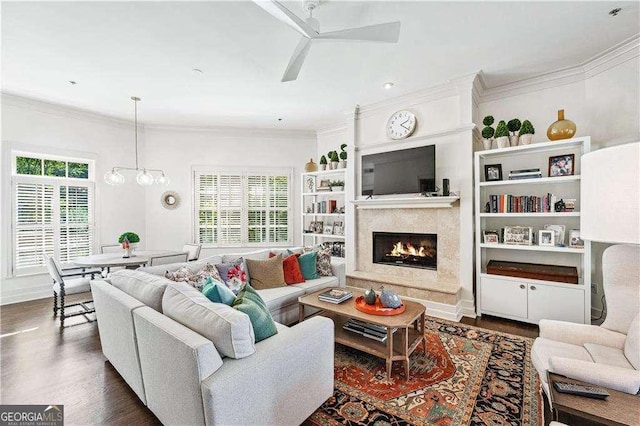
x,y
401,125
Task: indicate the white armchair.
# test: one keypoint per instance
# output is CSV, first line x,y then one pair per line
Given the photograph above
x,y
608,355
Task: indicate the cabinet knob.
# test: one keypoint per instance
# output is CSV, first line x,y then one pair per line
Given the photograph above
x,y
522,286
533,287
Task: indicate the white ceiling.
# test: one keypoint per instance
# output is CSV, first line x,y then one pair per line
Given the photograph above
x,y
118,49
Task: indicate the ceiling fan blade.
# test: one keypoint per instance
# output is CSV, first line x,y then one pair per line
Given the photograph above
x,y
386,33
297,59
278,11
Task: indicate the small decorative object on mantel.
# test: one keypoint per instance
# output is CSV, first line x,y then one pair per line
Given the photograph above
x,y
310,166
502,135
487,132
323,163
526,132
513,126
128,241
561,129
343,157
389,299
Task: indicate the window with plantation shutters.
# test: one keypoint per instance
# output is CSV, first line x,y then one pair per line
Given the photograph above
x,y
242,208
52,211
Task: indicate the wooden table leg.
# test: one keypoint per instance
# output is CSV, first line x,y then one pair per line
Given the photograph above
x,y
423,329
406,353
389,351
300,312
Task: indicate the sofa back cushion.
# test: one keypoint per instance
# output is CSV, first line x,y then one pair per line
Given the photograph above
x,y
147,288
632,344
194,266
229,330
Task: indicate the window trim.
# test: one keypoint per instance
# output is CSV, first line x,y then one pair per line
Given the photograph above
x,y
244,172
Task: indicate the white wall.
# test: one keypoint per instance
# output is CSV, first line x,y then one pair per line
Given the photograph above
x,y
47,128
177,150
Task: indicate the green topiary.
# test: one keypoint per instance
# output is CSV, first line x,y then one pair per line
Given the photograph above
x,y
336,183
343,153
132,237
323,160
333,155
527,128
501,130
514,125
488,132
488,120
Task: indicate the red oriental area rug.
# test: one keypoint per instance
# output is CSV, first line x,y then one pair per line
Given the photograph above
x,y
468,375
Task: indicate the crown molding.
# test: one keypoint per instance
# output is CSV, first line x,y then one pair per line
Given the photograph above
x,y
331,130
611,58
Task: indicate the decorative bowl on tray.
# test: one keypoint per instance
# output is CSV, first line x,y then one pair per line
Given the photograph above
x,y
378,308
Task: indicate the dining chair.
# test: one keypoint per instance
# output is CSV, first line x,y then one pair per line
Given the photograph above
x,y
64,284
193,250
111,248
168,258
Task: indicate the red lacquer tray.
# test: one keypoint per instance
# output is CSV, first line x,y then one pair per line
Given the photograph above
x,y
377,309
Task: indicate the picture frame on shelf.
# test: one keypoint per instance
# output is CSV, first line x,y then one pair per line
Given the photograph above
x,y
546,238
319,227
491,237
312,226
324,185
328,229
518,235
338,228
574,239
559,233
492,172
561,165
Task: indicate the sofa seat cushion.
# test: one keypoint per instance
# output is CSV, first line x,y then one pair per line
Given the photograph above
x,y
74,285
543,349
311,286
147,288
277,298
229,330
607,355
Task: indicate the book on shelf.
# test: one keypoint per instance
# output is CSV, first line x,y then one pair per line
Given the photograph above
x,y
507,203
335,296
525,174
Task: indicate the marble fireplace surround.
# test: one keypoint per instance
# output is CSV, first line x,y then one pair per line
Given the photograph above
x,y
440,286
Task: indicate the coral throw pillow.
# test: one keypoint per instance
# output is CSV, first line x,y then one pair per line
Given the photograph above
x,y
291,267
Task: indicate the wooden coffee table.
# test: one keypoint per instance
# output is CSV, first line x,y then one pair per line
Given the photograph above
x,y
410,327
618,409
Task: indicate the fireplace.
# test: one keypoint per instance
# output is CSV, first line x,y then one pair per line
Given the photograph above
x,y
406,249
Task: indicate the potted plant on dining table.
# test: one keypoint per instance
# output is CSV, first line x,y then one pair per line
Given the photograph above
x,y
129,241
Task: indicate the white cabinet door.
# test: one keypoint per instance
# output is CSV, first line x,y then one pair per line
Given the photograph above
x,y
504,297
557,303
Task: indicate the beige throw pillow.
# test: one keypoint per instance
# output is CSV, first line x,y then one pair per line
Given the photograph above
x,y
266,273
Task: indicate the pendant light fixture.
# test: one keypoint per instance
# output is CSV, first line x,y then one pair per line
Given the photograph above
x,y
144,177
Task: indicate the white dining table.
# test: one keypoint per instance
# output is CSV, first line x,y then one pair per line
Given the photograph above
x,y
114,260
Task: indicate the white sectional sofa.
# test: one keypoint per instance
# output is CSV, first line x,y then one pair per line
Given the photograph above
x,y
194,362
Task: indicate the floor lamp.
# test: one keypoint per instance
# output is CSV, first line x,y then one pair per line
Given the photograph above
x,y
610,213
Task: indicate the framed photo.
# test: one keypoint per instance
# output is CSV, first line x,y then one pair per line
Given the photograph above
x,y
338,229
312,226
546,238
558,231
328,229
518,235
561,165
492,172
318,227
324,185
574,239
491,237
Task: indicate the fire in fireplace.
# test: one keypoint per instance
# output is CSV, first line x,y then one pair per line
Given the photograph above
x,y
406,249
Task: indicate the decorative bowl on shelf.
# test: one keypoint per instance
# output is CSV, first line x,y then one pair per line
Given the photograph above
x,y
378,308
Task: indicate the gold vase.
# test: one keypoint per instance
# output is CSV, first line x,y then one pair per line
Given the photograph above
x,y
561,129
311,166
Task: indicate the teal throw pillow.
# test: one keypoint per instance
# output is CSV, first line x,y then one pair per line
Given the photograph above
x,y
217,292
250,302
308,265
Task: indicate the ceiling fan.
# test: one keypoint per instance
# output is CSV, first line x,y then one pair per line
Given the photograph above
x,y
309,29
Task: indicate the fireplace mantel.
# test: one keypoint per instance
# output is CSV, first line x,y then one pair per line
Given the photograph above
x,y
406,203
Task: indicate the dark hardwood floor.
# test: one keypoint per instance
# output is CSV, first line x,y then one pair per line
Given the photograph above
x,y
39,364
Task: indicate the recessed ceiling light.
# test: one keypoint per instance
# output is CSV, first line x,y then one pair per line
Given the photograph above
x,y
72,82
198,70
388,85
614,12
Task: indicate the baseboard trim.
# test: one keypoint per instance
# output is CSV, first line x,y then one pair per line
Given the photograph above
x,y
19,297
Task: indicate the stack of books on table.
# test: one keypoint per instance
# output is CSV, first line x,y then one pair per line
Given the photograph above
x,y
335,296
524,174
372,331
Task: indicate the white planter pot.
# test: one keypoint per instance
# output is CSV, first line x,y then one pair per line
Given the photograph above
x,y
337,188
502,142
334,165
526,139
342,164
513,140
486,143
322,167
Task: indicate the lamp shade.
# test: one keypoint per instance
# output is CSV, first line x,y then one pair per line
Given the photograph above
x,y
610,195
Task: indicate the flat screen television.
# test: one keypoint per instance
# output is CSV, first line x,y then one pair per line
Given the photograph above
x,y
405,171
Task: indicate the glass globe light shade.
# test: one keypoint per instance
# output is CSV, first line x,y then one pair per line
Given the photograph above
x,y
114,178
144,178
162,180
